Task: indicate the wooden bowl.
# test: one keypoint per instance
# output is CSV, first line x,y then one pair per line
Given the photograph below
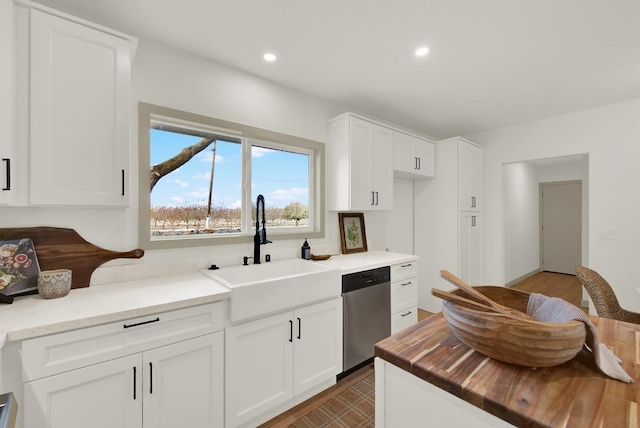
x,y
516,341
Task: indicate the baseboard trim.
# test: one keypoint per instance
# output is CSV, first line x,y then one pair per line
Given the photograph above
x,y
523,277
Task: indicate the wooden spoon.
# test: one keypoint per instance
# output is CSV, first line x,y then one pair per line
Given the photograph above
x,y
478,295
462,301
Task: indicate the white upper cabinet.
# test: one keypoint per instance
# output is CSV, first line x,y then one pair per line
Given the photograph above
x,y
78,114
470,161
413,157
7,136
359,166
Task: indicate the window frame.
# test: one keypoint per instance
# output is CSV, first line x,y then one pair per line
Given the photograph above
x,y
316,229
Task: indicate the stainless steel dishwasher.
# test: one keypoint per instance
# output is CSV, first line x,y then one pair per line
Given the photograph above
x,y
366,299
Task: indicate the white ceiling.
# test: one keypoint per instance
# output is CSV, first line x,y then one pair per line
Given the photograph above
x,y
492,63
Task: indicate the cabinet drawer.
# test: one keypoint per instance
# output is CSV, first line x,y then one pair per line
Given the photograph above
x,y
57,353
402,271
404,319
404,294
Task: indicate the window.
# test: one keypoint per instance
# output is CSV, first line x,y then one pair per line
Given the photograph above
x,y
200,178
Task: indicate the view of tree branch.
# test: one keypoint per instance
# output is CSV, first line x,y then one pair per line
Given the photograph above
x,y
160,170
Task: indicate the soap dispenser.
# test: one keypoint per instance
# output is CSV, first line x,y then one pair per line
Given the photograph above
x,y
306,250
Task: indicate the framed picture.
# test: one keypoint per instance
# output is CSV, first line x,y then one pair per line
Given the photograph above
x,y
352,233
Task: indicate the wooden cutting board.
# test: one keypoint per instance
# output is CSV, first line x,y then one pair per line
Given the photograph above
x,y
59,248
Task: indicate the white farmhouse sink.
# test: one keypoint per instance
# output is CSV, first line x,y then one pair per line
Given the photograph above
x,y
276,286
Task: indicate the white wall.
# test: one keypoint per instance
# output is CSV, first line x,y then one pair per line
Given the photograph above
x,y
610,135
173,78
399,224
522,220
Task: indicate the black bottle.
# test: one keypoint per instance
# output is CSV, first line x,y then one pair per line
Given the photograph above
x,y
306,250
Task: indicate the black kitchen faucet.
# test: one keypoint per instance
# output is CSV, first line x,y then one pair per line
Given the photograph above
x,y
260,238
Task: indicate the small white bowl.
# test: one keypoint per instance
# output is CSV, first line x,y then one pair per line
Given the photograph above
x,y
54,283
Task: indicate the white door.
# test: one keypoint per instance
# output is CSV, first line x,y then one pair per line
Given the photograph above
x,y
470,161
104,395
361,155
79,142
561,223
317,344
258,367
425,153
382,168
184,384
403,157
470,239
7,106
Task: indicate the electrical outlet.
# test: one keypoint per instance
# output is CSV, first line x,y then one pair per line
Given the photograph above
x,y
608,233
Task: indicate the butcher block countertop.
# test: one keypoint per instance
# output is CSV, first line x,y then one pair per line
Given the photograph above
x,y
574,394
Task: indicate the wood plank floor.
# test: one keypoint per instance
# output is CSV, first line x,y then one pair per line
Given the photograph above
x,y
567,287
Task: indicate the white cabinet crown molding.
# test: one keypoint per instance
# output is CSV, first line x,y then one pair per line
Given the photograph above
x,y
32,5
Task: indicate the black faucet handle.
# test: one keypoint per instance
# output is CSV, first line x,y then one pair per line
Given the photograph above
x,y
245,260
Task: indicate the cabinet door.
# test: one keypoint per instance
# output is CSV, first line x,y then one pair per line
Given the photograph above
x,y
184,385
404,294
7,108
403,158
413,158
425,153
104,395
258,361
79,108
470,239
361,160
403,319
382,168
470,159
317,344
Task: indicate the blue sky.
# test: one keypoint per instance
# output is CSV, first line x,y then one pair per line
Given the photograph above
x,y
281,177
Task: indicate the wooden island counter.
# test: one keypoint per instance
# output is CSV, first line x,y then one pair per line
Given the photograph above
x,y
426,377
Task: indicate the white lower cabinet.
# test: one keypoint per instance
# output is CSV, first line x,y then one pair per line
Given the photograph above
x,y
168,382
98,396
271,360
183,384
404,296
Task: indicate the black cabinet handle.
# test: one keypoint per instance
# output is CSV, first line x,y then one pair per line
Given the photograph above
x,y
290,331
140,323
8,162
407,265
373,197
405,284
123,182
150,378
473,202
134,382
419,164
299,327
377,198
473,221
415,163
404,315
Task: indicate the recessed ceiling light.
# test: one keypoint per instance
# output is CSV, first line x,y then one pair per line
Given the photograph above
x,y
422,51
269,57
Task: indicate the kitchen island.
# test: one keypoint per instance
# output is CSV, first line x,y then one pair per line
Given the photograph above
x,y
426,377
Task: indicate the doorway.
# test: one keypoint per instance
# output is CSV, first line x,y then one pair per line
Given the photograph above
x,y
561,226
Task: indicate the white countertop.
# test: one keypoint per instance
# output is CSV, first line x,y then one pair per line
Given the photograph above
x,y
356,262
31,316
